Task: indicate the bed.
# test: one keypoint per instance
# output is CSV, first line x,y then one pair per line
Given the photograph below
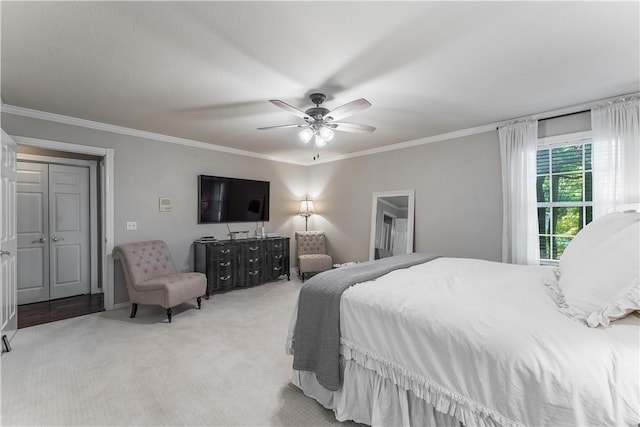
x,y
452,341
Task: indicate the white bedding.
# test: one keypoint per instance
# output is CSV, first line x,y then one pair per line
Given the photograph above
x,y
484,342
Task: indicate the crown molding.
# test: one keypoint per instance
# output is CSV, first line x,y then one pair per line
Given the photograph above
x,y
59,118
413,143
74,121
43,115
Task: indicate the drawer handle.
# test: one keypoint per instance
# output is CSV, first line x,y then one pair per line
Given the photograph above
x,y
225,264
253,273
225,277
253,259
277,246
278,256
277,268
225,251
253,248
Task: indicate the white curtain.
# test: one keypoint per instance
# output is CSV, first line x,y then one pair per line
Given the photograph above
x,y
616,155
518,145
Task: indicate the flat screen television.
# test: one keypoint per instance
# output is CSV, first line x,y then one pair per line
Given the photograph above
x,y
222,199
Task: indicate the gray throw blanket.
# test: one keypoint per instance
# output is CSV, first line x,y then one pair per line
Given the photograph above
x,y
316,339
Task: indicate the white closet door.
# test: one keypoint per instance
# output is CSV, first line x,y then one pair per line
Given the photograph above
x,y
33,232
69,231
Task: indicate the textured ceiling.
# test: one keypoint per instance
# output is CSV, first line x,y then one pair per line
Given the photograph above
x,y
205,70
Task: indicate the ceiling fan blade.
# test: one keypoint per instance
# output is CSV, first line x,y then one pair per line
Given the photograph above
x,y
290,108
282,127
347,110
352,127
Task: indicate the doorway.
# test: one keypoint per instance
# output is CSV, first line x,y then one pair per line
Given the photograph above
x,y
8,241
57,238
386,238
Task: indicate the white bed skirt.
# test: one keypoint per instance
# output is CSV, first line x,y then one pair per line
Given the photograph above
x,y
368,398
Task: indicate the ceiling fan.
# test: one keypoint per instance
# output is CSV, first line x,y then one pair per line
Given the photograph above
x,y
320,122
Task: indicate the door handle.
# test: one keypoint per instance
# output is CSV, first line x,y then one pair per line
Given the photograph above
x,y
40,240
55,239
5,253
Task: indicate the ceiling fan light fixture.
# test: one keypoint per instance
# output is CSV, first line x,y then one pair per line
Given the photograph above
x,y
305,135
326,134
321,122
320,142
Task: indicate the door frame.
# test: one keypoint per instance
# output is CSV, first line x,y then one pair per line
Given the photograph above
x,y
392,230
93,205
107,212
9,288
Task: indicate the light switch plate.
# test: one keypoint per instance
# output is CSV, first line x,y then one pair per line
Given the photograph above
x,y
165,204
132,225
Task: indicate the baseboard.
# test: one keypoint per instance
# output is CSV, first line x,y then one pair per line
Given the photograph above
x,y
121,305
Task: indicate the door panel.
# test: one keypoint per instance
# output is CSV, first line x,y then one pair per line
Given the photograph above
x,y
67,208
8,237
69,230
31,278
33,232
68,259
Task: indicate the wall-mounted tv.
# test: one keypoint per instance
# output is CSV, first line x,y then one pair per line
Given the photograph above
x,y
222,199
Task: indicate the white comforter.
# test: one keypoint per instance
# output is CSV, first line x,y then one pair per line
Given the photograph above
x,y
488,336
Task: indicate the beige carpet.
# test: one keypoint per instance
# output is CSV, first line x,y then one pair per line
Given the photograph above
x,y
222,365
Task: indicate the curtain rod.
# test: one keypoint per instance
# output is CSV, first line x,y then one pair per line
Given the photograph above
x,y
565,115
566,111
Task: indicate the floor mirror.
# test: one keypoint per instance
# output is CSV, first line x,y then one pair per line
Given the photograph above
x,y
392,219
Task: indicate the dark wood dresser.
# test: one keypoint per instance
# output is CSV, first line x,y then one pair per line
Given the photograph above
x,y
243,262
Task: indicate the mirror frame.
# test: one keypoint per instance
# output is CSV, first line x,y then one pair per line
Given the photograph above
x,y
410,217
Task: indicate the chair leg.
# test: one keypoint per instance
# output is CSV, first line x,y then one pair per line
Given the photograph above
x,y
199,303
134,310
169,313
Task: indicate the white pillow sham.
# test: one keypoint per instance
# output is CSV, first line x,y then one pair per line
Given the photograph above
x,y
600,270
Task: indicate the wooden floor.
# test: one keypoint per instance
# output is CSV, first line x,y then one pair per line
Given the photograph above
x,y
64,308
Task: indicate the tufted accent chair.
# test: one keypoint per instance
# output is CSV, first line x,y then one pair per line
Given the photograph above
x,y
312,253
152,278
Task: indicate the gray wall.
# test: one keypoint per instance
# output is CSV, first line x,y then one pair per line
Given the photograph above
x,y
458,205
145,170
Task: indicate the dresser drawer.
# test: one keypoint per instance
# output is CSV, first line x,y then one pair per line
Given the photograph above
x,y
224,281
248,277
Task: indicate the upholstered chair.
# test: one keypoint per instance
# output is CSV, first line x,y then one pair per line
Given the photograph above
x,y
312,253
152,278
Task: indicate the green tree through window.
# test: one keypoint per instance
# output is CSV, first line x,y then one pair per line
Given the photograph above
x,y
564,194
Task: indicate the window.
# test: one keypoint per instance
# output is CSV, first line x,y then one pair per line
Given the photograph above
x,y
563,185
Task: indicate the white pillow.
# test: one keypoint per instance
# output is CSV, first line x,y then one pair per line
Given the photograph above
x,y
600,270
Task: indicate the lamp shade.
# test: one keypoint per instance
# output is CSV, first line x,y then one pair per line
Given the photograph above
x,y
306,207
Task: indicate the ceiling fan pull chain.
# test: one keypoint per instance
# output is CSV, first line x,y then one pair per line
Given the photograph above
x,y
314,149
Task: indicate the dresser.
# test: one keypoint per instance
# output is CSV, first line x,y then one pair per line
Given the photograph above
x,y
241,263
